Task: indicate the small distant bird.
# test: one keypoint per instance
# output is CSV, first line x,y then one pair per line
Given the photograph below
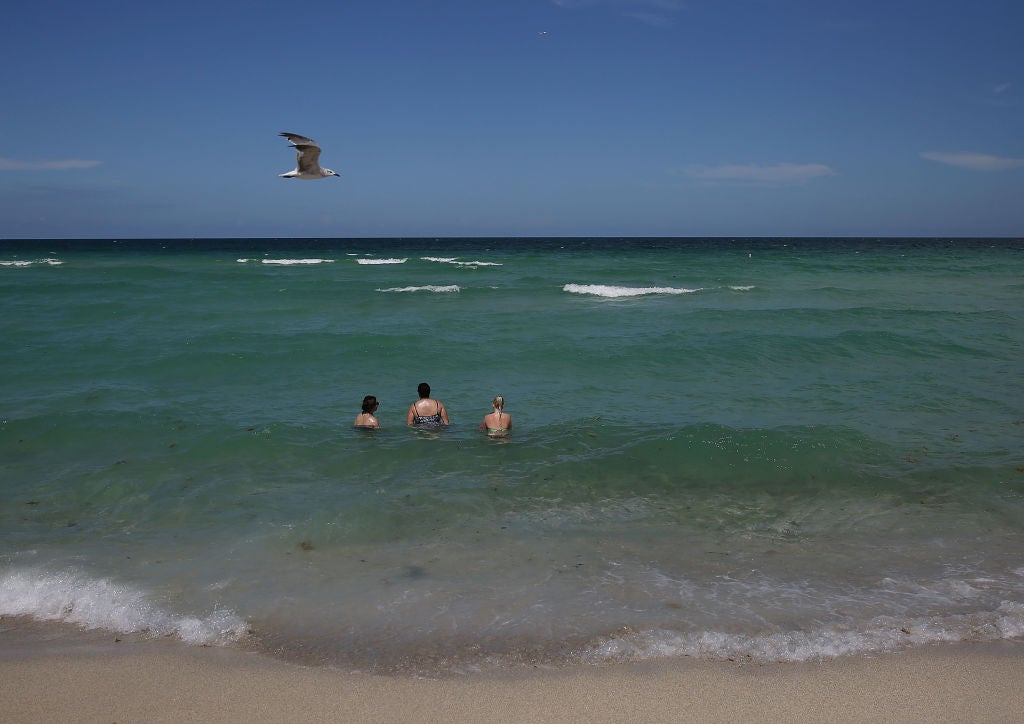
x,y
307,155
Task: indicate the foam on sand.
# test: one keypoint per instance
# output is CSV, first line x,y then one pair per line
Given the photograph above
x,y
886,634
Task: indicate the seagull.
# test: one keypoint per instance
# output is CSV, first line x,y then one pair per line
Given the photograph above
x,y
306,157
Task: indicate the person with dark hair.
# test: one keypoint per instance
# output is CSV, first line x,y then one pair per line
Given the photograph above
x,y
426,412
366,420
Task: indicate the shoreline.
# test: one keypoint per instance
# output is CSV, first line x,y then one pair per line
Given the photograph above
x,y
95,679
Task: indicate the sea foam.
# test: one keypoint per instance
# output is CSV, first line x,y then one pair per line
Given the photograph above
x,y
381,261
290,262
455,261
614,292
99,603
23,263
428,288
885,633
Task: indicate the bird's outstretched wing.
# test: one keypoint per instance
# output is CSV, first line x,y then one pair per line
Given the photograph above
x,y
307,158
307,153
296,140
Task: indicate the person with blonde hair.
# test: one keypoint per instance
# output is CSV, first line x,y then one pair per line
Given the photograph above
x,y
499,422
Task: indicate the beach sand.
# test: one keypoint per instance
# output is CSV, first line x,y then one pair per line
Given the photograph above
x,y
161,681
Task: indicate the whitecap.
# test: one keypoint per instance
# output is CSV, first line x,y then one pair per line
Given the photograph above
x,y
23,263
381,261
289,262
614,292
454,261
429,288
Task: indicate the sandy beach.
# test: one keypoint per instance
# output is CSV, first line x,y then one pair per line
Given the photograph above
x,y
107,682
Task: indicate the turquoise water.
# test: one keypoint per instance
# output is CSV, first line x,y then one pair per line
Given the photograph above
x,y
783,449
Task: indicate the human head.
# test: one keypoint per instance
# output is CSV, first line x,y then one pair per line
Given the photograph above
x,y
369,403
498,402
423,390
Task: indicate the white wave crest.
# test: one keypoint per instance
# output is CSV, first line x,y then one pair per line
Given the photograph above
x,y
101,603
455,261
290,262
883,633
381,261
741,289
451,288
613,292
22,263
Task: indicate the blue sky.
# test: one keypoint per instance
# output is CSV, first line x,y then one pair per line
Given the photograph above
x,y
526,118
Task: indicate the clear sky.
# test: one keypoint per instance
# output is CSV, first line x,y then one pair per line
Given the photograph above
x,y
513,118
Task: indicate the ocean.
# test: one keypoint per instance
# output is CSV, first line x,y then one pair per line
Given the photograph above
x,y
763,449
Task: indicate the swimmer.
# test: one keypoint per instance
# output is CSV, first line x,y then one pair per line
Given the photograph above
x,y
426,412
499,422
366,420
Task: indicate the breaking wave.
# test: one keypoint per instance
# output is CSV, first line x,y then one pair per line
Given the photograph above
x,y
100,603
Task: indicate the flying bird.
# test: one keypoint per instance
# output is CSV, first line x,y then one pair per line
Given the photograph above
x,y
307,156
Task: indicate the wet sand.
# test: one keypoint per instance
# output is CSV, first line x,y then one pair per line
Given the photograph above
x,y
105,681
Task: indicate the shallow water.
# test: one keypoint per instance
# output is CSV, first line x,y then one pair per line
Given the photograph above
x,y
785,449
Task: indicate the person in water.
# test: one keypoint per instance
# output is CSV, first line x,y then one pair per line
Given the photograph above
x,y
499,422
426,412
367,420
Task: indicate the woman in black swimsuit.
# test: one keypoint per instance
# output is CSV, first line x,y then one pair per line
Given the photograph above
x,y
426,412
